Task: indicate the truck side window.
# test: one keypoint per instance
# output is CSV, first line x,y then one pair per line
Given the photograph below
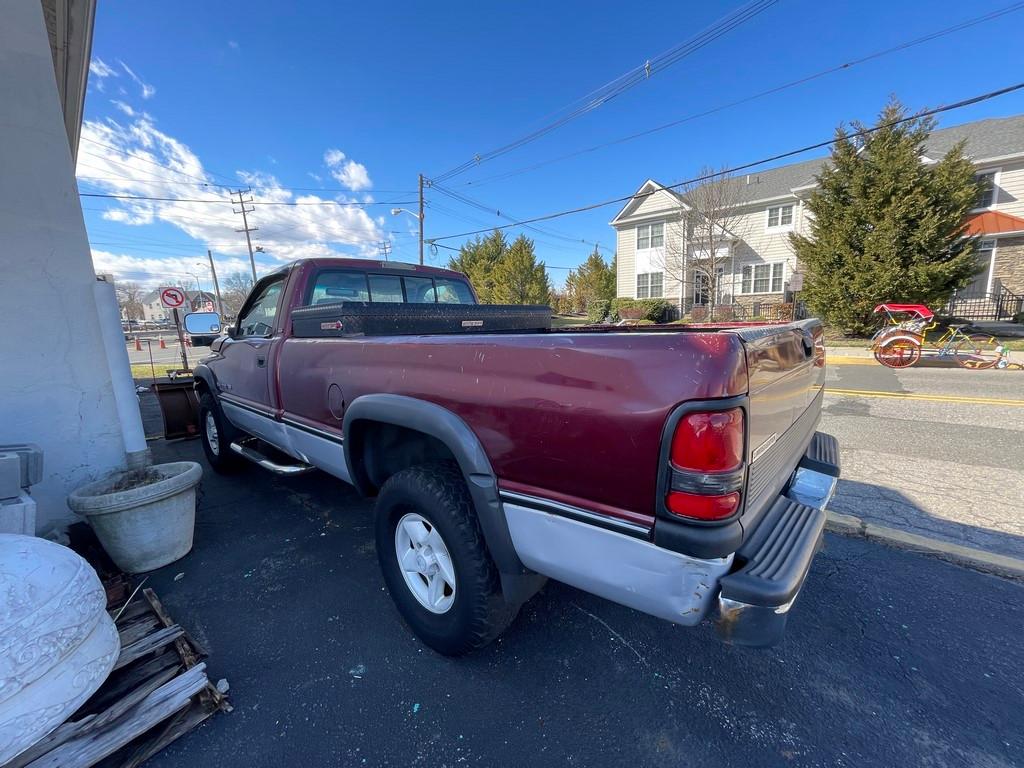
x,y
258,319
332,287
386,289
453,291
419,290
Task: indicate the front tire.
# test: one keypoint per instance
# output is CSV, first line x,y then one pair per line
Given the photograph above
x,y
435,562
217,435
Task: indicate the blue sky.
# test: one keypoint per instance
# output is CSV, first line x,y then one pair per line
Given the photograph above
x,y
348,102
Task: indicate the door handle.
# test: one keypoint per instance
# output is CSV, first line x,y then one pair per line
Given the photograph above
x,y
261,361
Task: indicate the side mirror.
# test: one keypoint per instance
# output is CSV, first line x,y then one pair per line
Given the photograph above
x,y
202,323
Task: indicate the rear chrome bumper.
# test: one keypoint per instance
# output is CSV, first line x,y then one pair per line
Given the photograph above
x,y
753,603
748,593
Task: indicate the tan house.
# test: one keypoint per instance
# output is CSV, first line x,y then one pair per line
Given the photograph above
x,y
755,264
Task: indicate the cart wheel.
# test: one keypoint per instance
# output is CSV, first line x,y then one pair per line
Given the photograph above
x,y
898,353
977,352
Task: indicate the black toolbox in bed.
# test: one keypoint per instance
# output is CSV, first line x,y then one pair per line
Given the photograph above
x,y
357,318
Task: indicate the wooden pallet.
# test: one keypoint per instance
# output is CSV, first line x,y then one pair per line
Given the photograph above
x,y
157,691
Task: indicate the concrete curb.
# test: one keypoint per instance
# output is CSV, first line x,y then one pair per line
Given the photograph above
x,y
979,559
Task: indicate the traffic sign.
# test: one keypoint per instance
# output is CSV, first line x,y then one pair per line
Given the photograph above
x,y
172,298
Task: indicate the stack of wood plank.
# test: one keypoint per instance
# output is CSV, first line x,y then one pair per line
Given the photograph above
x,y
157,691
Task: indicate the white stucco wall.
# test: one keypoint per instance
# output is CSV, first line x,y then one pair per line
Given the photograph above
x,y
55,387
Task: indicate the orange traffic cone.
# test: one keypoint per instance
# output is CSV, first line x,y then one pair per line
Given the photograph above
x,y
138,344
163,344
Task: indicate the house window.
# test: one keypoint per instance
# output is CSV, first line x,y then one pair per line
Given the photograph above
x,y
657,285
762,278
987,194
650,236
780,216
650,285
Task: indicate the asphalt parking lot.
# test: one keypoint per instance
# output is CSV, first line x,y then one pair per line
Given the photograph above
x,y
891,658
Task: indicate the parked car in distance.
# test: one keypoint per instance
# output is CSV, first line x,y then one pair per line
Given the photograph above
x,y
675,470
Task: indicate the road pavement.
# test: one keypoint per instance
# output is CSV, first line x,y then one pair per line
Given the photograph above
x,y
891,658
937,451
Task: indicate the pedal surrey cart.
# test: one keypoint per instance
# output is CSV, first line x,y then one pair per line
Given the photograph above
x,y
913,331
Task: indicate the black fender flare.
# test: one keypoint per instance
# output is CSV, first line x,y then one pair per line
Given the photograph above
x,y
445,426
202,373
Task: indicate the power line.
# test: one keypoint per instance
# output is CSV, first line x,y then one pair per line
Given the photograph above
x,y
728,171
158,165
484,207
254,202
169,182
198,181
473,220
770,91
623,83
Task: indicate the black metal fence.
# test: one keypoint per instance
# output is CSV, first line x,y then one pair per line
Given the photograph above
x,y
998,305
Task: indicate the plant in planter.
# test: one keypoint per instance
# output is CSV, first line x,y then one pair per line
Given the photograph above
x,y
144,518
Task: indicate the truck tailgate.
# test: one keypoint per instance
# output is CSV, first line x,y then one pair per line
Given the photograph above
x,y
786,373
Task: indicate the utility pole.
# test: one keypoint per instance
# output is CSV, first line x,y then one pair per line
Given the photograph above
x,y
421,219
216,285
247,229
384,249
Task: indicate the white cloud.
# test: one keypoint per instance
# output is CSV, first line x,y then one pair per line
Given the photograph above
x,y
137,159
123,107
155,271
99,68
147,89
348,173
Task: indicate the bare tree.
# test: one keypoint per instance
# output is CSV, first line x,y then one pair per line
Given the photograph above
x,y
233,292
699,248
129,299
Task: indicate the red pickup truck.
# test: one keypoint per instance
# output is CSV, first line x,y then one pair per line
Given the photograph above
x,y
673,469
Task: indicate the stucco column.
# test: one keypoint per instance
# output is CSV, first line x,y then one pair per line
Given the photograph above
x,y
55,387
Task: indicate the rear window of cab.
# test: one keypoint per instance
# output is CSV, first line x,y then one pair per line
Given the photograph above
x,y
333,286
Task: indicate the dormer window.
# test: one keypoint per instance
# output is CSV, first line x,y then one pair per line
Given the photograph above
x,y
650,236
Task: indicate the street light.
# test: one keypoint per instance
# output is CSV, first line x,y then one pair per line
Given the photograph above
x,y
417,216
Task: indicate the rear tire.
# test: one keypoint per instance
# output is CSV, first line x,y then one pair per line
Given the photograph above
x,y
977,352
898,353
217,434
427,513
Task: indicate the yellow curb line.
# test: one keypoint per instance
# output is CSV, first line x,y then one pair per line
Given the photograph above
x,y
979,559
849,360
934,398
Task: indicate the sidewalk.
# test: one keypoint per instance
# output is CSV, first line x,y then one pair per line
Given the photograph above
x,y
864,356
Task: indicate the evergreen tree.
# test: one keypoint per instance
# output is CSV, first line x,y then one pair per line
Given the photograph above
x,y
886,226
477,260
519,278
592,280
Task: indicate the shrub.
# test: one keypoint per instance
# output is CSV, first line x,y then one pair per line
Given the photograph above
x,y
699,314
639,309
598,310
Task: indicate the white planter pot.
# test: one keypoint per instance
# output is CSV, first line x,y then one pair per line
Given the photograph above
x,y
147,527
57,642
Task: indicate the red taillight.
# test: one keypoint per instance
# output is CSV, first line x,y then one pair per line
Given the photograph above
x,y
709,441
702,507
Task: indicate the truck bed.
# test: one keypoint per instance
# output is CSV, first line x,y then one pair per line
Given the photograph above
x,y
574,416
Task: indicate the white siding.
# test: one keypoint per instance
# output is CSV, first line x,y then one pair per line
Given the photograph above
x,y
758,244
1010,194
661,202
625,251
